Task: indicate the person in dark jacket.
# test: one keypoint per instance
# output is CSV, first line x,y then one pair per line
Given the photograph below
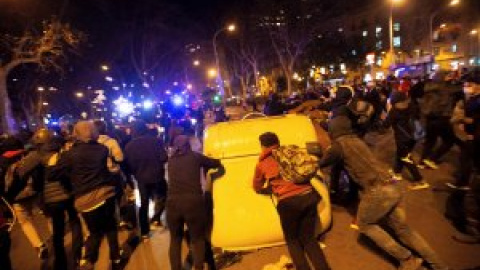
x,y
297,207
381,200
85,165
146,158
56,195
466,122
186,202
438,104
274,105
401,117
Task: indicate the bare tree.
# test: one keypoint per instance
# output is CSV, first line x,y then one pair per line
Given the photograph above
x,y
241,70
46,49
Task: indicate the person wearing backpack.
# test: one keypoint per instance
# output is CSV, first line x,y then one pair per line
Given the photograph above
x,y
381,199
56,195
297,206
401,117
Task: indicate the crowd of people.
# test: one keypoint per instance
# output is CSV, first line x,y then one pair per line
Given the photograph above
x,y
83,176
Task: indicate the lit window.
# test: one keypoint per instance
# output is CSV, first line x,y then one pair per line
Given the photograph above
x,y
396,26
365,33
379,45
454,48
397,42
378,32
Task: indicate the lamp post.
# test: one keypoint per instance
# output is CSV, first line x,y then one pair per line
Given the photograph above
x,y
432,17
229,28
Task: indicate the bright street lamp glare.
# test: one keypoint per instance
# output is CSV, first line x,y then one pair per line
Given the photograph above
x,y
231,27
212,73
397,1
105,67
454,2
79,94
474,32
196,63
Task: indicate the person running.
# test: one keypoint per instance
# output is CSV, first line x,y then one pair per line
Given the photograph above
x,y
438,104
85,164
380,200
186,203
401,117
297,207
146,157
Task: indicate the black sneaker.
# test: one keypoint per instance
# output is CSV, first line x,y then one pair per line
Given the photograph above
x,y
42,252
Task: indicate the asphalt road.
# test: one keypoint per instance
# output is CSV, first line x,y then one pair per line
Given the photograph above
x,y
345,249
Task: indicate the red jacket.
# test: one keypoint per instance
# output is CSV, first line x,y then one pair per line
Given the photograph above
x,y
267,168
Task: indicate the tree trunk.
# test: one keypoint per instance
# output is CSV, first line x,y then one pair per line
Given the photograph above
x,y
289,84
6,114
243,85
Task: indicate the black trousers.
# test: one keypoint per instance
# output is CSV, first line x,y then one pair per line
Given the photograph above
x,y
102,222
5,243
403,149
157,192
189,210
469,161
438,128
298,217
57,212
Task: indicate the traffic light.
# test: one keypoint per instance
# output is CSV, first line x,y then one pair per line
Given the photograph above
x,y
217,99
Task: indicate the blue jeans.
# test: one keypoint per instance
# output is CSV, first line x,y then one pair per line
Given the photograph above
x,y
383,203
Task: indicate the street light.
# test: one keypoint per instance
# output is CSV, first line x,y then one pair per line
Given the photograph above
x,y
79,94
104,67
196,63
229,28
453,3
392,50
212,73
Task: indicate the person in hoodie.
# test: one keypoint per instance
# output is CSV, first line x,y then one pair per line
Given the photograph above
x,y
146,157
380,200
85,165
186,204
401,118
466,124
297,207
56,195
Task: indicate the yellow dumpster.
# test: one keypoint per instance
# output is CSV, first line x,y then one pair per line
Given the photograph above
x,y
244,220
